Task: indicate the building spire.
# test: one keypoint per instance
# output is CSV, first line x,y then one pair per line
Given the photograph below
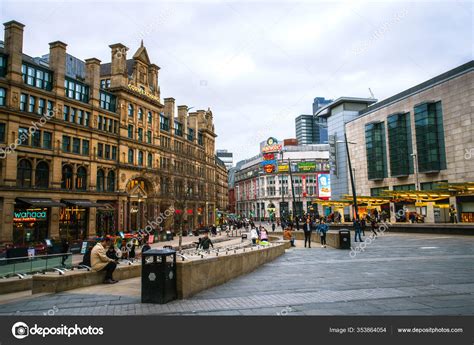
x,y
141,45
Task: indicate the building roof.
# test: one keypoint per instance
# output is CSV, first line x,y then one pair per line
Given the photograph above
x,y
464,68
325,111
106,68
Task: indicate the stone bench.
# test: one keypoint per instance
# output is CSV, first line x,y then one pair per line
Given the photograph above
x,y
78,278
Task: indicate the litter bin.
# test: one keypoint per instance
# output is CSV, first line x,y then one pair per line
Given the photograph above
x,y
169,236
159,276
344,239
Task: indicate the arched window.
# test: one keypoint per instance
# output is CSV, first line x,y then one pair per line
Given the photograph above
x,y
42,175
140,158
100,180
23,176
150,160
130,110
130,156
140,114
150,117
111,181
81,178
66,180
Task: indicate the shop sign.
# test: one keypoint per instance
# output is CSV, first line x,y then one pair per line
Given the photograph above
x,y
283,168
269,156
143,92
307,166
272,146
269,168
28,216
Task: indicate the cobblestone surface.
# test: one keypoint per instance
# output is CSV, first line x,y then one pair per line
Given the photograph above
x,y
398,274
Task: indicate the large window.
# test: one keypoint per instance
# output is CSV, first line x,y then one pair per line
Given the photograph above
x,y
140,134
23,176
404,187
23,99
399,141
81,178
130,156
3,65
67,174
47,140
190,134
140,158
31,104
85,147
111,181
3,96
376,152
148,137
178,128
140,114
36,77
42,175
100,180
130,131
76,145
130,110
66,143
164,123
200,139
430,137
76,90
150,160
107,101
150,117
2,132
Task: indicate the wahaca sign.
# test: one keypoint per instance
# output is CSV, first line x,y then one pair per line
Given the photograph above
x,y
28,216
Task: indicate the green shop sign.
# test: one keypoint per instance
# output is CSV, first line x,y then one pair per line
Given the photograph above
x,y
29,216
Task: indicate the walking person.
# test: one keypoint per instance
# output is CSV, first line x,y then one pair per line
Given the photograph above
x,y
453,214
64,250
307,233
322,230
373,224
363,225
358,230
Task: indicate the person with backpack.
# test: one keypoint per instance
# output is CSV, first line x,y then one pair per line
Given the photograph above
x,y
322,230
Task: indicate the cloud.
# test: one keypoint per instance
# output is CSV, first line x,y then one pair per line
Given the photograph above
x,y
259,64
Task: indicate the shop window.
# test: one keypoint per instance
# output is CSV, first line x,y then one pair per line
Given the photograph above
x,y
111,181
100,180
24,171
42,175
81,178
66,180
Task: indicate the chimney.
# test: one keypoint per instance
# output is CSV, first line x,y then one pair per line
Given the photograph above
x,y
57,62
182,117
13,46
153,79
93,79
169,111
118,69
193,122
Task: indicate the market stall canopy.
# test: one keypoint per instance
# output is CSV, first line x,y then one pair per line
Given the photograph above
x,y
369,200
39,202
334,203
465,188
85,203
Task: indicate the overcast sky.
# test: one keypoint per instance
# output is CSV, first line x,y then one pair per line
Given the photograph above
x,y
258,65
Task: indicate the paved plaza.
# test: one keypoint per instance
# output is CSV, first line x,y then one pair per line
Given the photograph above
x,y
398,274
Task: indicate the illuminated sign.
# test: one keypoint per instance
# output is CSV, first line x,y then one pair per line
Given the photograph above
x,y
269,163
283,168
273,162
29,216
324,186
143,92
269,156
269,168
307,166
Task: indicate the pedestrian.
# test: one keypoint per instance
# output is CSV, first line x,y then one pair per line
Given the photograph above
x,y
453,214
307,233
254,236
263,235
376,215
357,230
287,235
323,229
100,261
205,242
64,250
273,226
373,224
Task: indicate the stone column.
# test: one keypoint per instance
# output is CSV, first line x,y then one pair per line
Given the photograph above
x,y
6,230
54,223
430,213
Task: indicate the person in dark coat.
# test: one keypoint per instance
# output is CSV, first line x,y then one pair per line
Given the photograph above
x,y
307,228
273,226
64,250
358,230
205,242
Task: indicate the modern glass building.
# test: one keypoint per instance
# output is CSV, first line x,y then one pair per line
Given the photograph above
x,y
419,142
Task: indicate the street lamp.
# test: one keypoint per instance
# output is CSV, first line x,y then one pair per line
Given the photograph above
x,y
354,196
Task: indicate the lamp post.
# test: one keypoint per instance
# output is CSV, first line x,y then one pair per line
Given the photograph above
x,y
354,196
282,188
415,170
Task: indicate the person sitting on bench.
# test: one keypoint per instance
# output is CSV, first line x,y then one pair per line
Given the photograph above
x,y
101,262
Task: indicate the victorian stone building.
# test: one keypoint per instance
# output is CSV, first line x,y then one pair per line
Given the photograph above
x,y
88,148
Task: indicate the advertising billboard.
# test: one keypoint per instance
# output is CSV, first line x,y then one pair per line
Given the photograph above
x,y
324,186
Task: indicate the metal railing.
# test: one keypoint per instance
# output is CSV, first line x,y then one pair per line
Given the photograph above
x,y
40,263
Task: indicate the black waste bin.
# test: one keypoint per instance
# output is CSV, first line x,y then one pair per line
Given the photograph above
x,y
345,239
159,276
169,236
